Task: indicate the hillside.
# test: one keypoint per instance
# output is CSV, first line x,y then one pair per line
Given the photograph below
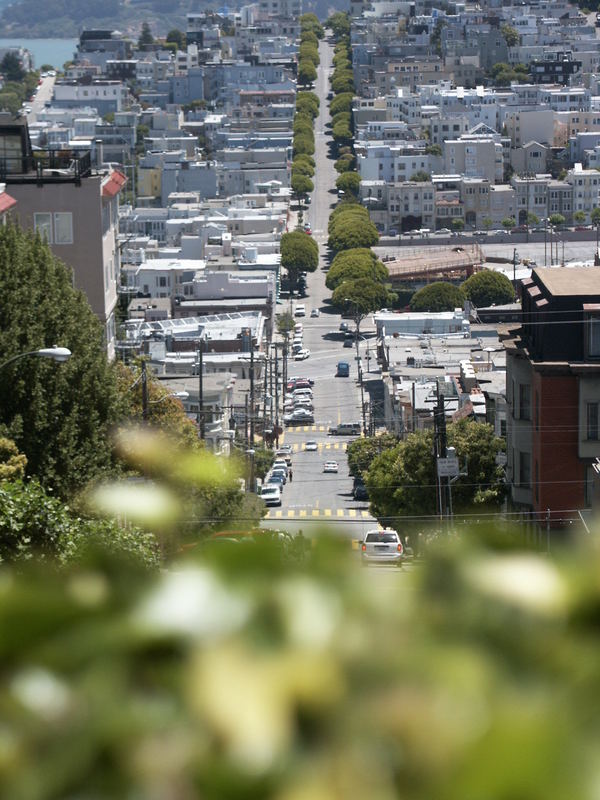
x,y
66,18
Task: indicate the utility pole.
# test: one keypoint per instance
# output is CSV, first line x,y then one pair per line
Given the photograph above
x,y
144,392
252,404
276,398
246,420
201,387
515,266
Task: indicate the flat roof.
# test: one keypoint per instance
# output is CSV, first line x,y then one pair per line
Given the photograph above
x,y
573,281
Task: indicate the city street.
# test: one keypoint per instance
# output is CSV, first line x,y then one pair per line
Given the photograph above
x,y
314,499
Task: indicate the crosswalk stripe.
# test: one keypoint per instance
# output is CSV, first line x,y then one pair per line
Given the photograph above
x,y
303,512
279,514
340,512
327,512
315,512
364,514
352,512
292,513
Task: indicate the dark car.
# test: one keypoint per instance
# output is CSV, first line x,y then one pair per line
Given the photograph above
x,y
360,492
348,342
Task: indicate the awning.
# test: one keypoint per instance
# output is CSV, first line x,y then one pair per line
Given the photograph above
x,y
114,184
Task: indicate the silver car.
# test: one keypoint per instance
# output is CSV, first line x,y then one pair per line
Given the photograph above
x,y
382,547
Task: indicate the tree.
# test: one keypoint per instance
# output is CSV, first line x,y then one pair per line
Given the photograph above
x,y
339,24
354,264
59,416
508,223
533,219
488,288
307,72
345,163
299,253
349,182
176,36
12,463
33,524
421,176
303,144
11,68
437,296
341,133
556,220
341,103
310,22
302,168
510,34
301,184
579,217
402,481
285,323
308,52
487,223
342,82
307,103
433,150
146,39
458,224
344,117
351,232
362,452
595,216
359,298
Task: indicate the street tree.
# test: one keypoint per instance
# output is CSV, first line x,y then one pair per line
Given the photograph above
x,y
307,103
556,220
301,184
595,216
362,452
579,217
350,232
285,323
508,223
341,103
437,296
307,72
353,264
402,480
345,163
344,117
457,224
303,144
58,415
488,288
510,34
342,82
310,22
360,297
487,223
533,219
339,22
299,253
349,182
301,167
341,133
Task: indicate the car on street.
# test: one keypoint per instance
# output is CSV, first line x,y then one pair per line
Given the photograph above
x,y
300,310
360,492
348,343
271,494
311,445
280,472
344,326
280,463
285,454
330,466
315,312
299,416
302,355
382,547
343,369
444,231
308,230
277,480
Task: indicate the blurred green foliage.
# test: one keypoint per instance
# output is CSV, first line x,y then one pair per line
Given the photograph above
x,y
236,677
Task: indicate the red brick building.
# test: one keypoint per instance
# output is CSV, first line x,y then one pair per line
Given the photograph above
x,y
553,393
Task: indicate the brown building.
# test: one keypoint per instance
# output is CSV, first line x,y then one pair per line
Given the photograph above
x,y
73,207
553,393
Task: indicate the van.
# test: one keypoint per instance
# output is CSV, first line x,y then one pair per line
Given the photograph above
x,y
343,369
298,328
346,429
300,311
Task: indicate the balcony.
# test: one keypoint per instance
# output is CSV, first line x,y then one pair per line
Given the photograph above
x,y
46,166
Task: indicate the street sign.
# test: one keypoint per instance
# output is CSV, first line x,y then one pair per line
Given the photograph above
x,y
447,467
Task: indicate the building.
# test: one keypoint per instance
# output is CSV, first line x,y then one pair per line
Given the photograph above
x,y
553,393
74,208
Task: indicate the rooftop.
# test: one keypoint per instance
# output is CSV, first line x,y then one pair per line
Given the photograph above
x,y
573,282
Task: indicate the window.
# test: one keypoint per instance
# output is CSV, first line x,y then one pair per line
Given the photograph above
x,y
590,474
592,421
524,401
63,227
42,224
524,469
593,337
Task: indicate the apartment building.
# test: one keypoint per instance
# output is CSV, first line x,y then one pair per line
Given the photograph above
x,y
585,185
73,208
475,157
553,393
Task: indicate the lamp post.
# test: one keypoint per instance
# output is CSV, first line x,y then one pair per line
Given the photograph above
x,y
58,354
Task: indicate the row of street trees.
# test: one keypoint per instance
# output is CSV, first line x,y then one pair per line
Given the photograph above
x,y
485,288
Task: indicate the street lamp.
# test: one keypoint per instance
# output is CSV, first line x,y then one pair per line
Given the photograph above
x,y
58,354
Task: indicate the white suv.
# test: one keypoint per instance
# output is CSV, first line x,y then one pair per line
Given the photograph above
x,y
300,311
271,495
382,547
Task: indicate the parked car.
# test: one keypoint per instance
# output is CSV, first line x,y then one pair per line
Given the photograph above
x,y
348,343
445,231
299,416
271,494
315,312
382,547
300,310
276,479
311,445
330,466
280,472
302,355
360,492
